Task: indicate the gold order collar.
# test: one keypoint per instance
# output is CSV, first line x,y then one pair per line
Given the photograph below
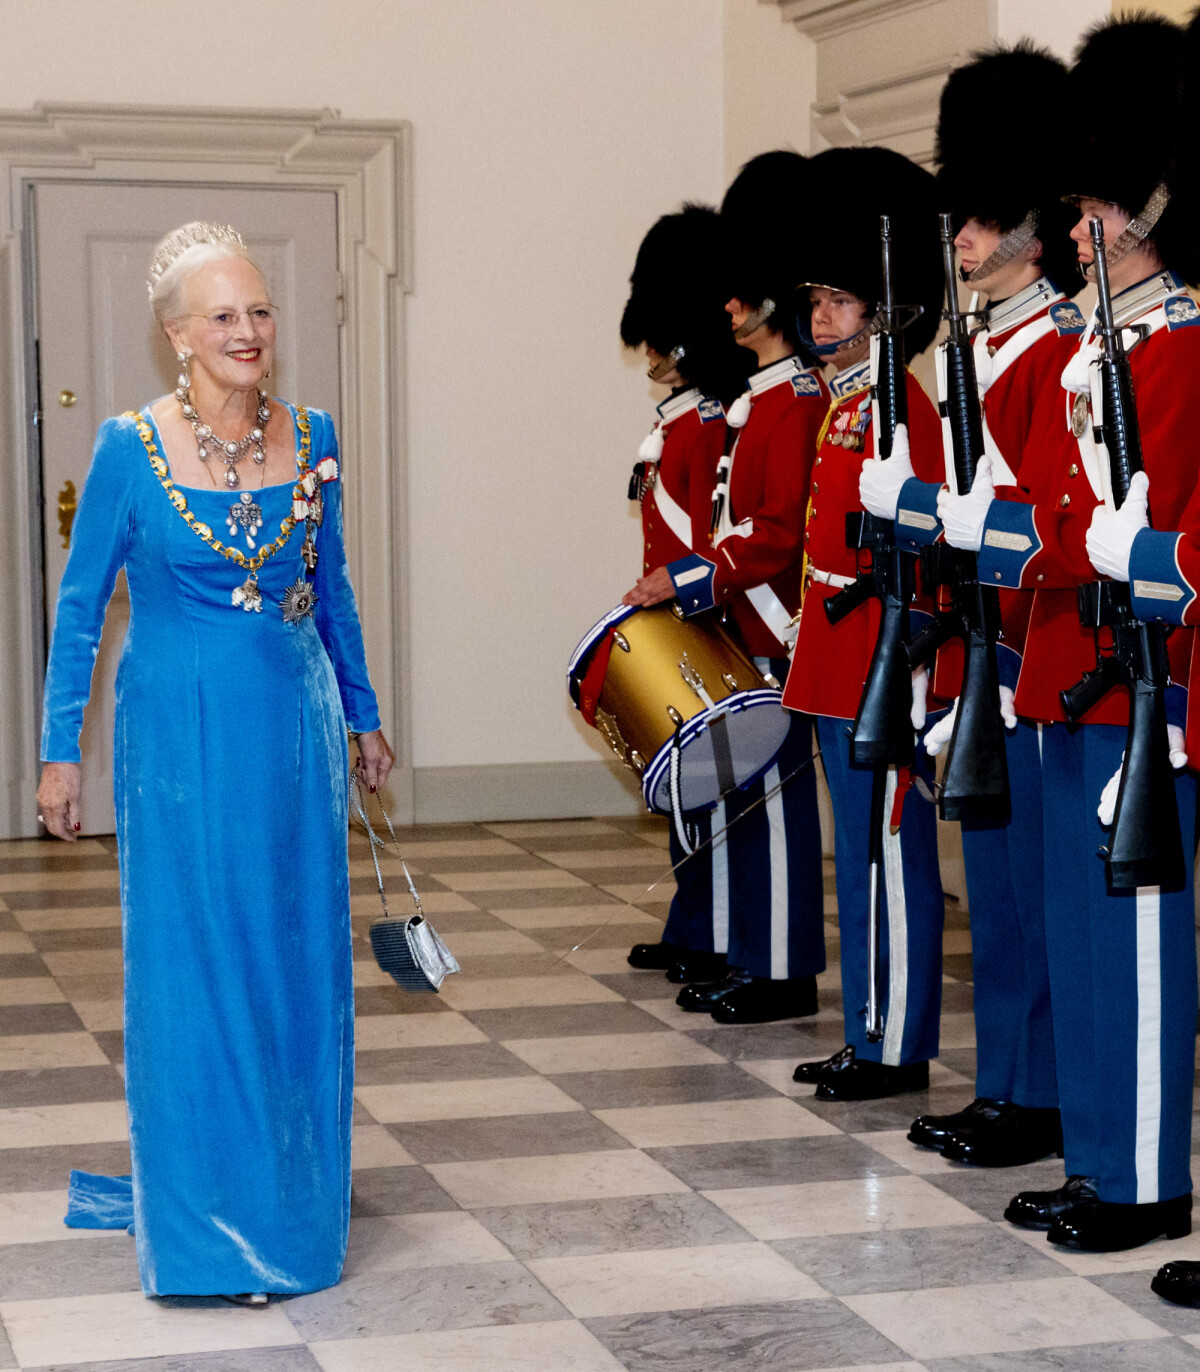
x,y
202,530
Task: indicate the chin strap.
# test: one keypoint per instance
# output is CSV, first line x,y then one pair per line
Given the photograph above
x,y
1135,233
755,320
1013,242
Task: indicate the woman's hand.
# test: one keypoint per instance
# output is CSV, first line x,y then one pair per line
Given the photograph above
x,y
375,758
58,799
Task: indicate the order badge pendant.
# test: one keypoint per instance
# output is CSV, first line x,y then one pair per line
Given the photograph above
x,y
1079,415
248,596
298,601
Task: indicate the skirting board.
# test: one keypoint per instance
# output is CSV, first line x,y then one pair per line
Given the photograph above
x,y
534,790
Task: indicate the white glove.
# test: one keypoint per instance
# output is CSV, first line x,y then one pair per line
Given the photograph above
x,y
920,692
1111,534
963,516
880,481
937,738
1108,797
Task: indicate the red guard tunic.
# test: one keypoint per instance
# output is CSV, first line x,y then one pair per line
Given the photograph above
x,y
1034,537
831,661
691,428
754,564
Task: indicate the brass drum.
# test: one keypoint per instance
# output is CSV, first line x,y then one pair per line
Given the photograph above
x,y
657,685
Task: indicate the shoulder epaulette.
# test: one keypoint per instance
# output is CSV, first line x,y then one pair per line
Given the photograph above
x,y
806,384
1067,318
1182,311
709,409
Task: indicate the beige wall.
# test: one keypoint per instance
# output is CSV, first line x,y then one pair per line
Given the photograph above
x,y
770,82
1180,10
1058,24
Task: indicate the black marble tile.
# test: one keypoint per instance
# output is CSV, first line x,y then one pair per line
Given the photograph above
x,y
112,1045
547,898
396,1191
958,997
959,966
69,940
499,862
391,1000
800,1039
9,925
987,1190
87,897
564,1021
61,1086
451,1062
91,1266
660,1086
914,1259
22,965
774,1162
788,1337
47,1169
617,934
377,1303
508,1136
893,1112
620,1224
290,1359
39,1019
637,985
1133,1289
52,862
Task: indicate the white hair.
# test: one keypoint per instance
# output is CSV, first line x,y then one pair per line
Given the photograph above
x,y
166,293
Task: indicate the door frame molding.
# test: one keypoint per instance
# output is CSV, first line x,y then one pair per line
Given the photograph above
x,y
368,164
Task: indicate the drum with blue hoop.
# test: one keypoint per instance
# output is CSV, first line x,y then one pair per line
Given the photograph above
x,y
679,702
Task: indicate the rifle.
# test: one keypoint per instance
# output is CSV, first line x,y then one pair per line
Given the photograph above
x,y
975,778
1144,846
882,733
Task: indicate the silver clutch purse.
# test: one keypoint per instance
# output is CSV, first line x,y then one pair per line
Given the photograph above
x,y
408,950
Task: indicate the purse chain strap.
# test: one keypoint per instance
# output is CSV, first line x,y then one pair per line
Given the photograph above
x,y
356,800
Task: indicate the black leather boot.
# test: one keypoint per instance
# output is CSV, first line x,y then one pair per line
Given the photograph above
x,y
655,957
1016,1136
855,1078
1178,1282
697,967
932,1131
762,1001
811,1071
1039,1209
1108,1227
701,998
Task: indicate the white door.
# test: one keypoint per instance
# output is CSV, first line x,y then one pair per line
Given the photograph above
x,y
101,353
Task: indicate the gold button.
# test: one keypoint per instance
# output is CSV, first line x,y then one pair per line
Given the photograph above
x,y
812,514
816,488
817,463
806,536
997,576
1073,470
1041,577
1064,502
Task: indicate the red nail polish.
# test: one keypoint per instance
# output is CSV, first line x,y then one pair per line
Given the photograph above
x,y
75,827
372,790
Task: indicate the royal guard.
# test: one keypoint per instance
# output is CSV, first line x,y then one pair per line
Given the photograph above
x,y
749,571
1005,196
676,310
844,295
1122,966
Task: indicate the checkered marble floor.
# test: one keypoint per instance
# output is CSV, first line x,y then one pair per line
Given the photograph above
x,y
555,1169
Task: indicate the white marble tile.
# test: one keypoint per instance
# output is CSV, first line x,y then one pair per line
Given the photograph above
x,y
1002,1317
85,962
1148,1258
940,1075
36,1052
367,972
372,1146
583,859
101,1016
37,1217
555,1177
53,849
570,916
505,993
551,828
30,991
72,1329
494,942
599,962
67,880
660,892
816,1209
443,1238
957,1031
722,1121
533,879
81,917
673,1279
433,903
563,1346
15,942
458,847
664,1008
602,1052
777,1072
408,1102
436,1030
894,1144
43,1126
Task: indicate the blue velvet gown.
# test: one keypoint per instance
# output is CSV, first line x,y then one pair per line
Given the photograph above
x,y
230,766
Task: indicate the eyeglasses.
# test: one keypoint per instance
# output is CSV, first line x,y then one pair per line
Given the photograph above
x,y
225,321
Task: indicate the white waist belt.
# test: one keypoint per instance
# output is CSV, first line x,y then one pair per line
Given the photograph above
x,y
829,578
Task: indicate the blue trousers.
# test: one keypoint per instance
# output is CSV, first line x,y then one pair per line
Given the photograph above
x,y
1122,985
911,942
1014,1034
699,914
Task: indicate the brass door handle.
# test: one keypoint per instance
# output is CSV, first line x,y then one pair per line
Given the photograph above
x,y
67,504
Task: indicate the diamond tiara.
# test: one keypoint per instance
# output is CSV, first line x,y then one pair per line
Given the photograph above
x,y
173,247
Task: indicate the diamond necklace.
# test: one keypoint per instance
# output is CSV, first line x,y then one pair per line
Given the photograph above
x,y
230,452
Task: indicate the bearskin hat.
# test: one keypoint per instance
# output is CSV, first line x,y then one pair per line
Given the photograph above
x,y
677,300
764,214
1122,148
1000,180
867,183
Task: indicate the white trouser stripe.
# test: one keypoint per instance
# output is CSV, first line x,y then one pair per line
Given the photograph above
x,y
777,845
1148,1127
897,925
720,882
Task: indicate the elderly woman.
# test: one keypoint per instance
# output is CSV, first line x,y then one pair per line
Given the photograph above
x,y
242,669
